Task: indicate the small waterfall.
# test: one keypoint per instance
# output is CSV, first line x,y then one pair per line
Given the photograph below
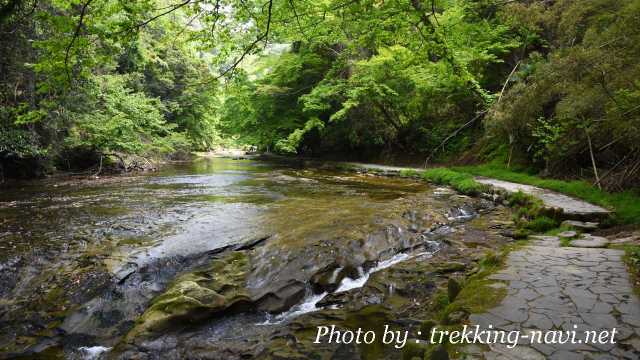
x,y
93,352
309,304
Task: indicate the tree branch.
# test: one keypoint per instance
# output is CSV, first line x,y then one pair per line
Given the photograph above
x,y
264,36
76,34
452,135
507,81
153,18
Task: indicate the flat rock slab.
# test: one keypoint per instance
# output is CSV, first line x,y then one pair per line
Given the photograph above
x,y
589,241
572,208
382,168
568,234
627,240
581,225
557,288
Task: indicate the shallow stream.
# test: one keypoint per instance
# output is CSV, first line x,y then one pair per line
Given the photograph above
x,y
82,262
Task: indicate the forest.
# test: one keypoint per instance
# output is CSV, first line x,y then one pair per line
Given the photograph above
x,y
548,86
236,179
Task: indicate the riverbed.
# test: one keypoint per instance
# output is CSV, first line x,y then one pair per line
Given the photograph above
x,y
221,258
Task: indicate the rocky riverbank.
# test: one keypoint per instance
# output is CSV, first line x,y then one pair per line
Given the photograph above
x,y
240,258
242,251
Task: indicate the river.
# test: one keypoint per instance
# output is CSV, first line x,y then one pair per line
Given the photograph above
x,y
222,258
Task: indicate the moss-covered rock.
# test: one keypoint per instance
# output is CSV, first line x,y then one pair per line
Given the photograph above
x,y
450,267
426,326
414,348
438,352
453,289
197,295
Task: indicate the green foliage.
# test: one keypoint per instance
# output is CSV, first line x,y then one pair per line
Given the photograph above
x,y
577,85
369,82
541,224
84,75
462,182
409,173
632,257
121,120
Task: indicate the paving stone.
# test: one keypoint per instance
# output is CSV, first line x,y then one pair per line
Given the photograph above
x,y
538,321
543,348
632,309
631,320
517,353
604,321
566,355
623,333
590,242
486,319
602,308
567,289
510,314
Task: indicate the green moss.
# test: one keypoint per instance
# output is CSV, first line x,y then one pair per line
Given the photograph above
x,y
440,300
632,259
491,260
476,295
462,182
409,173
541,224
197,295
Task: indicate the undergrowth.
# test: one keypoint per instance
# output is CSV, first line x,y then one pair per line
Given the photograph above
x,y
462,182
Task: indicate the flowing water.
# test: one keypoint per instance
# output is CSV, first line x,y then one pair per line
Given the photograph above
x,y
81,261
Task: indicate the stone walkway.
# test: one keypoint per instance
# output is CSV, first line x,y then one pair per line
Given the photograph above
x,y
554,288
571,207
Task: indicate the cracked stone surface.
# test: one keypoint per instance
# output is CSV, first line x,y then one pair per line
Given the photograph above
x,y
590,241
564,288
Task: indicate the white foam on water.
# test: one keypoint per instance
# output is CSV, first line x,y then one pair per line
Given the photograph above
x,y
464,215
93,352
349,284
334,276
309,304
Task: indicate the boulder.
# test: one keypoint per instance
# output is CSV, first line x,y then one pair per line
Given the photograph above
x,y
581,225
414,348
283,298
426,326
198,295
